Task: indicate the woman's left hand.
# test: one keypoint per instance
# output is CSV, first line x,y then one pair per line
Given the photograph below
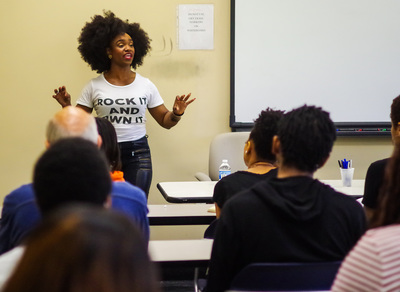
x,y
180,104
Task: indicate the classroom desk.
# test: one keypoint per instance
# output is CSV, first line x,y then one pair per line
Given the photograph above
x,y
189,251
201,191
187,191
356,189
181,214
179,259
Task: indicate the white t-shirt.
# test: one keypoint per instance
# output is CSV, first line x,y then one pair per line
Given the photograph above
x,y
124,106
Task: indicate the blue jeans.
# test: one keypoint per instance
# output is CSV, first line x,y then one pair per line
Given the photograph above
x,y
136,163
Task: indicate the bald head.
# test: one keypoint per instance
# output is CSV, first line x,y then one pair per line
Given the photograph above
x,y
72,122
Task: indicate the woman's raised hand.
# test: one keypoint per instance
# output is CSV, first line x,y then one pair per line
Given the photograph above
x,y
62,96
180,104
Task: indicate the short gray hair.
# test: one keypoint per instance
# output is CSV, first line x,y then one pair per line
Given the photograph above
x,y
57,130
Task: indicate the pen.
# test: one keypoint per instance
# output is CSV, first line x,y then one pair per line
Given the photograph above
x,y
345,164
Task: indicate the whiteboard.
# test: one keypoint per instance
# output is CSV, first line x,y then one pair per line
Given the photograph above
x,y
342,55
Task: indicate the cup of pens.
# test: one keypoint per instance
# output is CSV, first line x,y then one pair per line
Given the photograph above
x,y
346,171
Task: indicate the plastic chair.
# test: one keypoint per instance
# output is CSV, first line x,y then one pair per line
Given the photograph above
x,y
225,146
286,277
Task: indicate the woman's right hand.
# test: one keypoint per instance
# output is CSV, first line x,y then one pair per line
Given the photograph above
x,y
62,96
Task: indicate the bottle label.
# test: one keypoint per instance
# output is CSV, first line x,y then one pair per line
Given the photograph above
x,y
223,173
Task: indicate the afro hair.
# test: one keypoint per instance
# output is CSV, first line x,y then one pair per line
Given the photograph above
x,y
97,35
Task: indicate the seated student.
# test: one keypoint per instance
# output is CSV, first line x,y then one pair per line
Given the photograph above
x,y
110,147
373,264
81,248
126,198
291,217
257,156
72,170
20,213
375,172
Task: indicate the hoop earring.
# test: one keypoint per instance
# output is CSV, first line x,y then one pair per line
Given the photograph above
x,y
110,57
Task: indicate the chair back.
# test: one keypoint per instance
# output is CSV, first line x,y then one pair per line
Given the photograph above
x,y
227,146
286,277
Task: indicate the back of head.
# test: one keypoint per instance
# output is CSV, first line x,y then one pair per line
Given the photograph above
x,y
395,119
395,111
72,122
265,128
71,170
110,143
306,137
83,248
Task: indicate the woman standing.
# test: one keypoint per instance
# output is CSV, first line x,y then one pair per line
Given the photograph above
x,y
113,47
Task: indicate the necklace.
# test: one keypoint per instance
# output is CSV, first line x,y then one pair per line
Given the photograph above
x,y
261,164
260,167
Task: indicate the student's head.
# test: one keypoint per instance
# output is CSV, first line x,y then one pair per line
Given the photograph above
x,y
395,119
306,136
265,128
83,248
72,122
110,143
71,170
97,37
387,212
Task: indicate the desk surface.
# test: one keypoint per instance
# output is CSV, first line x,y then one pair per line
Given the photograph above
x,y
202,191
356,189
190,250
181,214
187,191
178,259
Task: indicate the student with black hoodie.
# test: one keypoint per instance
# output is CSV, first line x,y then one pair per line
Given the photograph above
x,y
290,218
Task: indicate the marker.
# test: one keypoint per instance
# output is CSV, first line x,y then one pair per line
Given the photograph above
x,y
362,129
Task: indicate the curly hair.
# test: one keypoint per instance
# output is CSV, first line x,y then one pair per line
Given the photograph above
x,y
74,169
96,37
307,135
265,128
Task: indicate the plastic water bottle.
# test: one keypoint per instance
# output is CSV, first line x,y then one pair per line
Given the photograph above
x,y
224,169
